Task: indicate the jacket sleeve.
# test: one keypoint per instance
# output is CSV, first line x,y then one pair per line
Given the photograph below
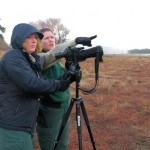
x,y
20,72
50,55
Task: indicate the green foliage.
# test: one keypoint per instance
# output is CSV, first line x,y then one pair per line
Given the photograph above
x,y
2,29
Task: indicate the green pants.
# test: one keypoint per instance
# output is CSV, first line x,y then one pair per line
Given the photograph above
x,y
47,135
15,140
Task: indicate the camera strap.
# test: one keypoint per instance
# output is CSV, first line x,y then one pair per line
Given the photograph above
x,y
96,76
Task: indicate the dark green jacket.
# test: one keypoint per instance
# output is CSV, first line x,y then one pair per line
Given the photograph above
x,y
63,98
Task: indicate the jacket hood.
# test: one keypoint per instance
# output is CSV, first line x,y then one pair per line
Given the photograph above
x,y
21,32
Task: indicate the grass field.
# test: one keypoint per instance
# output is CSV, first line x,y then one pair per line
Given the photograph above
x,y
119,110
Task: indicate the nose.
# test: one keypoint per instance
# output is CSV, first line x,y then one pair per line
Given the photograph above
x,y
34,39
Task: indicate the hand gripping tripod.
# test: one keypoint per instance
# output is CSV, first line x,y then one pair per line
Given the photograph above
x,y
79,106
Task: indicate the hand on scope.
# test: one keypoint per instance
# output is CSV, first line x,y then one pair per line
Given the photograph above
x,y
69,76
65,76
65,80
85,41
64,85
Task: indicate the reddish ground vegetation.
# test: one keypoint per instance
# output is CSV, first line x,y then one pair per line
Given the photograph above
x,y
119,111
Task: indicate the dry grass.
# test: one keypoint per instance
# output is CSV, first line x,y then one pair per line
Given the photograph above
x,y
119,111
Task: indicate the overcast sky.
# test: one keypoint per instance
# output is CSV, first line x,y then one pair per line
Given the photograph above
x,y
121,24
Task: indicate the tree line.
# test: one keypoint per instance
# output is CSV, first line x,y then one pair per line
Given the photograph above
x,y
139,51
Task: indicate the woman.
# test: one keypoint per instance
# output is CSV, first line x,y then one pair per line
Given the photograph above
x,y
54,106
21,83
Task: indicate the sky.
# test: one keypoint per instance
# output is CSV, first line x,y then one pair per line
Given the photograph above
x,y
122,24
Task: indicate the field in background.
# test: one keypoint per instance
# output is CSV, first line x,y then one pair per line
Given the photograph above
x,y
119,111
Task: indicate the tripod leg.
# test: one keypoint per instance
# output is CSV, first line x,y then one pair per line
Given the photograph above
x,y
64,121
78,120
87,124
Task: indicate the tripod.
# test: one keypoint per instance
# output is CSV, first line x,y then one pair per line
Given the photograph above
x,y
79,106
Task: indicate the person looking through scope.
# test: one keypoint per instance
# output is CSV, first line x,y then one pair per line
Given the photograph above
x,y
21,84
54,105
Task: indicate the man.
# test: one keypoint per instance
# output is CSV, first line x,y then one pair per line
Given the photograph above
x,y
54,106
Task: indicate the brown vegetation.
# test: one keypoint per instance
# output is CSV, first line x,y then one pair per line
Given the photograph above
x,y
119,111
3,45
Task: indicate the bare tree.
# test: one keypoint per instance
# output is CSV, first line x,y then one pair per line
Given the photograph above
x,y
55,25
